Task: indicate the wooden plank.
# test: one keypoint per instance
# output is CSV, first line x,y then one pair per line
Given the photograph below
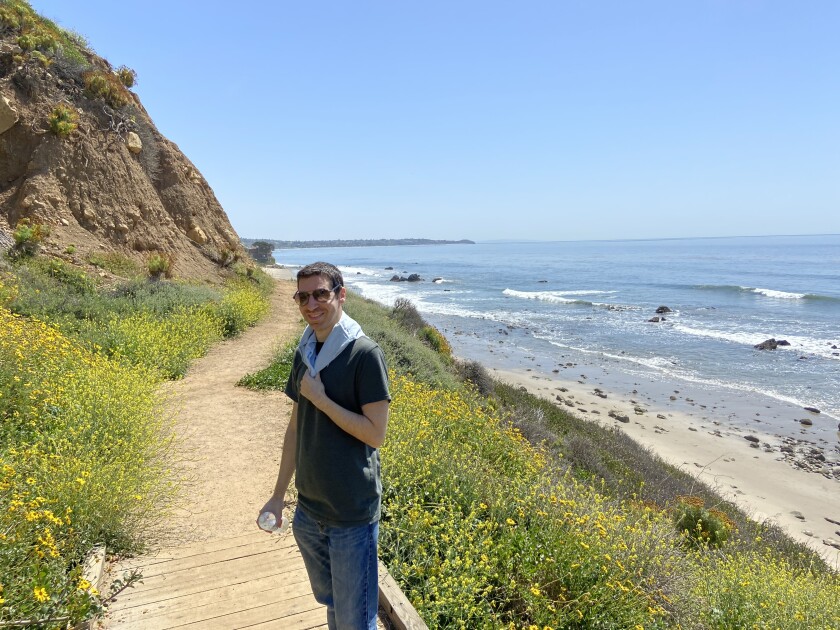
x,y
269,613
292,623
275,603
184,561
401,613
194,549
213,576
272,588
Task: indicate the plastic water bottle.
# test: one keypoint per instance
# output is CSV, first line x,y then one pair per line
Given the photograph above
x,y
268,522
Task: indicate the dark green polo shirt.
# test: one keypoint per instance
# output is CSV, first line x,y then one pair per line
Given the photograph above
x,y
338,476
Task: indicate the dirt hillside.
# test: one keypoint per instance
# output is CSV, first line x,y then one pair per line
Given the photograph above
x,y
112,183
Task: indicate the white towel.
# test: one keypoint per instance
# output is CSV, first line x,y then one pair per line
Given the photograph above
x,y
345,331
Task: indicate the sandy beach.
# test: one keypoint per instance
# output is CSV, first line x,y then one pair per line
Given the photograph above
x,y
697,439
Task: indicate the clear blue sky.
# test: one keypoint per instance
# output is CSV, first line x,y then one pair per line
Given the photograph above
x,y
549,120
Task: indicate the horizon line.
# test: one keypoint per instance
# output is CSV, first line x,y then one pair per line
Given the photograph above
x,y
582,240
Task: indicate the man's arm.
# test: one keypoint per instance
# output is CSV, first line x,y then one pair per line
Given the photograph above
x,y
287,468
368,426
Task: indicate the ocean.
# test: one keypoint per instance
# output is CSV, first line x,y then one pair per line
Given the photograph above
x,y
583,308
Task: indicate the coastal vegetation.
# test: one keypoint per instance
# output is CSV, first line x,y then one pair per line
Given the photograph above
x,y
502,510
87,451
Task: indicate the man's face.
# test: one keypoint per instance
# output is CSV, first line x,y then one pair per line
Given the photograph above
x,y
321,316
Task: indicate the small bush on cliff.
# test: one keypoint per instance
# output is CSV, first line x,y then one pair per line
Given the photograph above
x,y
433,338
407,315
63,120
160,264
227,256
699,525
41,58
107,86
28,237
127,76
475,373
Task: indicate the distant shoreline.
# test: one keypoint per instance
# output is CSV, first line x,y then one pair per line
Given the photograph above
x,y
381,242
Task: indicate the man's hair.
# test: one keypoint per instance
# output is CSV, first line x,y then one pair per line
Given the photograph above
x,y
322,269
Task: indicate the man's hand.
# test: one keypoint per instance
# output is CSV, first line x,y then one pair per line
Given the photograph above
x,y
313,390
275,506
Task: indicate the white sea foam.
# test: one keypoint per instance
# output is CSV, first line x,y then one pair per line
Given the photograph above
x,y
655,363
385,294
455,309
811,346
779,295
557,297
586,292
364,271
742,337
799,343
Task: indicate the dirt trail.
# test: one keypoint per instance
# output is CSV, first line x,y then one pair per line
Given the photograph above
x,y
232,436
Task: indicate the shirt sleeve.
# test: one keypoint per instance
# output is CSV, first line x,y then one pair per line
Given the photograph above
x,y
372,377
292,390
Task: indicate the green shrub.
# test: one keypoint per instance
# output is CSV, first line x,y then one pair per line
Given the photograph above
x,y
160,298
38,40
433,338
28,237
107,86
408,316
160,264
8,289
242,306
118,264
67,275
41,58
701,526
276,374
127,76
480,533
256,276
63,120
69,59
475,373
38,35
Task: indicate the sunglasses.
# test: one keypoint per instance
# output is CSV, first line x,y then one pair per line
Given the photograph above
x,y
320,295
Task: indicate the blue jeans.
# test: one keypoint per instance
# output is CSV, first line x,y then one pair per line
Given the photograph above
x,y
342,567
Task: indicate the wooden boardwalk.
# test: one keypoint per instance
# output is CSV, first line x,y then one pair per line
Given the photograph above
x,y
249,581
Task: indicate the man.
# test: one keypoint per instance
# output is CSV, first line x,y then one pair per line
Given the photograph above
x,y
339,385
